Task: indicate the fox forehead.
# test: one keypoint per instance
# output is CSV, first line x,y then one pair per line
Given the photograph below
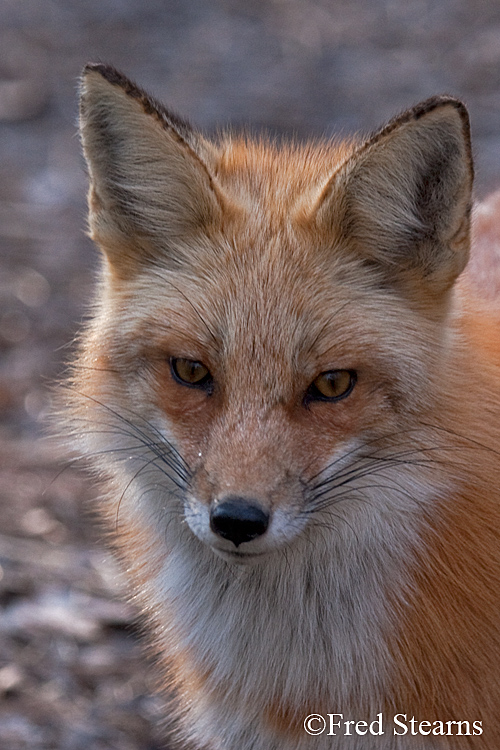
x,y
276,180
275,306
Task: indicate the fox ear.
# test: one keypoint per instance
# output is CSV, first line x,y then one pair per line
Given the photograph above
x,y
402,200
149,182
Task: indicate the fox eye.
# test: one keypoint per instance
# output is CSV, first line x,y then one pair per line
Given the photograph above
x,y
190,372
332,385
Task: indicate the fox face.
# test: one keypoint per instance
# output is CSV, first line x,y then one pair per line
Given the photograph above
x,y
271,312
267,404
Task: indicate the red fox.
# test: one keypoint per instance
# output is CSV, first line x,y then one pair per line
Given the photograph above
x,y
290,388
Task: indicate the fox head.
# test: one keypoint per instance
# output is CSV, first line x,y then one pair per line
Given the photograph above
x,y
274,321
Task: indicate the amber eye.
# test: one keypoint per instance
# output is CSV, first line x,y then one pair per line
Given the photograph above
x,y
190,372
332,385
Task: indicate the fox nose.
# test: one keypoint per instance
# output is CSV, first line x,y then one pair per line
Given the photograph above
x,y
238,520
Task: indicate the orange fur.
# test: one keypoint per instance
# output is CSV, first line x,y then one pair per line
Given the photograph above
x,y
297,550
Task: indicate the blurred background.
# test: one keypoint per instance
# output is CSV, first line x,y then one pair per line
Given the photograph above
x,y
71,675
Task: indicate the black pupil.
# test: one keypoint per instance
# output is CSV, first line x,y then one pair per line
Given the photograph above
x,y
195,371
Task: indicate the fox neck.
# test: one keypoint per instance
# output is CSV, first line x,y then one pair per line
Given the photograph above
x,y
316,610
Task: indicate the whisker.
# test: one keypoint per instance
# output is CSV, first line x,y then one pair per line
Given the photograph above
x,y
163,449
360,448
145,444
130,423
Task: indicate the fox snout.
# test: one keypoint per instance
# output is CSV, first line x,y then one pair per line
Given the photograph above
x,y
246,496
239,520
237,517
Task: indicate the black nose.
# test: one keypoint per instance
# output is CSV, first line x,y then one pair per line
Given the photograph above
x,y
238,520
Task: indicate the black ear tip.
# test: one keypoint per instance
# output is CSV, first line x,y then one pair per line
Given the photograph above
x,y
112,76
108,72
445,102
437,102
94,66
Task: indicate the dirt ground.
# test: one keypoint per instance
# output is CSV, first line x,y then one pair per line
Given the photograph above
x,y
71,673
